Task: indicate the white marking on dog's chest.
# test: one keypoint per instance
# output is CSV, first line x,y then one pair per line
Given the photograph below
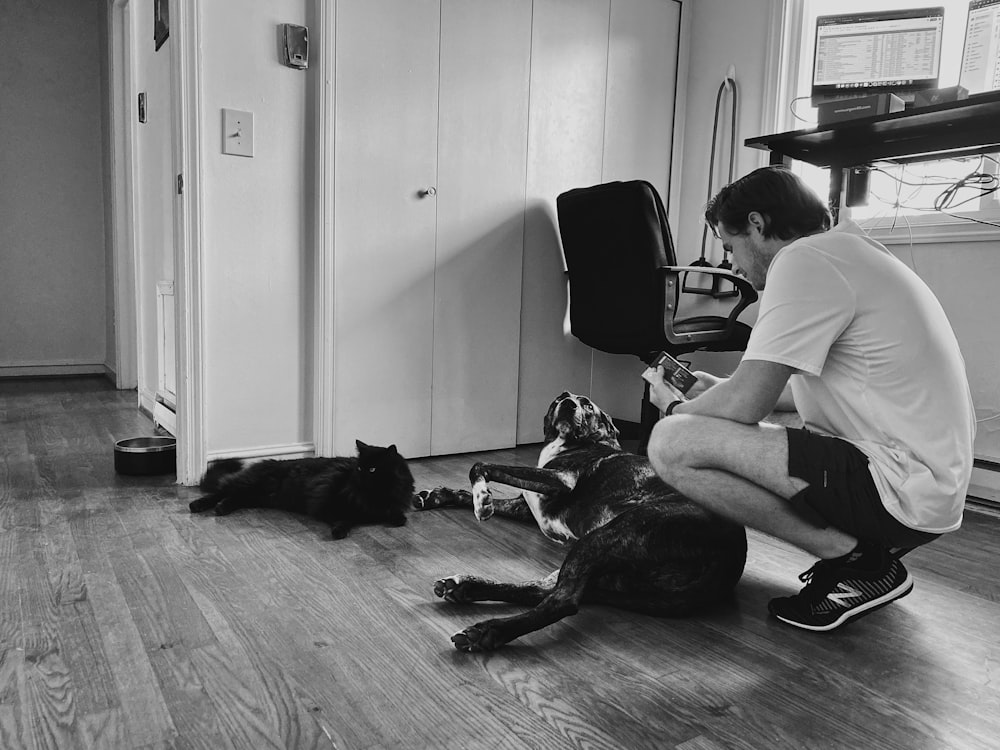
x,y
553,528
550,451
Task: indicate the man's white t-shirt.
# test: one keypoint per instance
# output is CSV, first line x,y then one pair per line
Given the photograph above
x,y
879,367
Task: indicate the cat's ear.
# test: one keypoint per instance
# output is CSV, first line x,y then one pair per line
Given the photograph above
x,y
360,446
391,450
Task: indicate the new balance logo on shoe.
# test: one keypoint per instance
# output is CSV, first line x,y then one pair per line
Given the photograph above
x,y
844,595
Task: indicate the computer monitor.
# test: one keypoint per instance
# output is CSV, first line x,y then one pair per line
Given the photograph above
x,y
981,53
894,51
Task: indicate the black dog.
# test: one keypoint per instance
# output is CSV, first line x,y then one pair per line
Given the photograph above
x,y
374,487
637,543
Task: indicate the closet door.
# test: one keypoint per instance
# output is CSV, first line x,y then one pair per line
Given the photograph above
x,y
384,239
482,158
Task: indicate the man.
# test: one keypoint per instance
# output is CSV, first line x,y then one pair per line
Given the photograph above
x,y
853,340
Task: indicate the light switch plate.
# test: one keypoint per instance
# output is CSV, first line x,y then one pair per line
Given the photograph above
x,y
237,132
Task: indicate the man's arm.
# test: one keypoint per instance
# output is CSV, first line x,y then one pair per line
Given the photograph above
x,y
750,394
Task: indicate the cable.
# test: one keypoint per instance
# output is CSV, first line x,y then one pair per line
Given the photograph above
x,y
728,83
983,183
796,115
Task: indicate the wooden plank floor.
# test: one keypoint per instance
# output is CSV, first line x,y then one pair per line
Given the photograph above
x,y
126,622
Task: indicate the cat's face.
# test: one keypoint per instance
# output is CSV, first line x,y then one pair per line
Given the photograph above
x,y
377,464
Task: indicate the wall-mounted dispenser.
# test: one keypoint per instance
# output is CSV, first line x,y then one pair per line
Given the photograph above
x,y
294,45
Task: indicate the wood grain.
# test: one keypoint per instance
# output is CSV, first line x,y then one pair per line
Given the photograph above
x,y
127,622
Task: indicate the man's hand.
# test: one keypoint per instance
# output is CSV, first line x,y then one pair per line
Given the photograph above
x,y
705,381
661,393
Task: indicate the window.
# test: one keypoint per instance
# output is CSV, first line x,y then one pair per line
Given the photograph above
x,y
950,192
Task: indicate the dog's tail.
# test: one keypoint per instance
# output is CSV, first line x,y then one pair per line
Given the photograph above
x,y
217,473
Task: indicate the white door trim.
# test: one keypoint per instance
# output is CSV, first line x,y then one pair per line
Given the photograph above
x,y
324,387
185,21
121,34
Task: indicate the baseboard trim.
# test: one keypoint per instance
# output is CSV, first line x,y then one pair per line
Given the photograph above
x,y
985,485
293,450
52,370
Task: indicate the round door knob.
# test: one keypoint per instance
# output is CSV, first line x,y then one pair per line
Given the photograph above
x,y
431,191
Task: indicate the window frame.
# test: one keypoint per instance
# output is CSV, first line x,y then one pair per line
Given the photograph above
x,y
788,46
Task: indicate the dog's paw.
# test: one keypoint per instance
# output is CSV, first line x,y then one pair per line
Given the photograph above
x,y
482,636
482,500
457,589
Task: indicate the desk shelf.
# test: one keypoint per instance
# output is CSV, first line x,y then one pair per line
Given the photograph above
x,y
942,131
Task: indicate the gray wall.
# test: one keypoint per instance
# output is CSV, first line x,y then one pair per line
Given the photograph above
x,y
53,301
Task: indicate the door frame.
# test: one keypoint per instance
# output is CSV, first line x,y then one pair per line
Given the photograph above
x,y
121,56
189,233
324,385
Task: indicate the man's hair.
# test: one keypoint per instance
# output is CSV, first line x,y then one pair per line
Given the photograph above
x,y
789,207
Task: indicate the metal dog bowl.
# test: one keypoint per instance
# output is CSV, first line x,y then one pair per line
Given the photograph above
x,y
146,456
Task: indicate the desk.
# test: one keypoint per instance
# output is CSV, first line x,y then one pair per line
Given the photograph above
x,y
942,131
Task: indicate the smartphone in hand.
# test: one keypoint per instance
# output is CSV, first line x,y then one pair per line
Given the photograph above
x,y
675,373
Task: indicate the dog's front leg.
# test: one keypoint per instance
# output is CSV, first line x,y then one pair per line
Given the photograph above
x,y
541,481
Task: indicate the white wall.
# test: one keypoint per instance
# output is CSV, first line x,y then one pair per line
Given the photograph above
x,y
723,33
257,267
53,316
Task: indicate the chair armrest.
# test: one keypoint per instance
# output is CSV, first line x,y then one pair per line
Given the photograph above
x,y
745,288
671,278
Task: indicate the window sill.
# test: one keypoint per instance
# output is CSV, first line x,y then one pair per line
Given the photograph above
x,y
933,229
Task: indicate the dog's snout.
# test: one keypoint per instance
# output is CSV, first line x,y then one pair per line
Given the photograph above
x,y
567,408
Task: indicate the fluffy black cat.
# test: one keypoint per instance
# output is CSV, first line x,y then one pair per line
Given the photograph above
x,y
374,487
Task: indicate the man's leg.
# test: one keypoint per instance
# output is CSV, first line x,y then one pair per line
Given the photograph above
x,y
740,472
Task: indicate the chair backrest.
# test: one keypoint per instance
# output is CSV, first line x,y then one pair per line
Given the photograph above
x,y
615,236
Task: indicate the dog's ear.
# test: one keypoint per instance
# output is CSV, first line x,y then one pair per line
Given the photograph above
x,y
548,429
608,427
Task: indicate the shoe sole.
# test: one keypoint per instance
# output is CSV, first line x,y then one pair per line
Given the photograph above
x,y
867,608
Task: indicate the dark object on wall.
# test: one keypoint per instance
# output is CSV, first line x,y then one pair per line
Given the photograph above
x,y
142,106
161,22
146,456
294,45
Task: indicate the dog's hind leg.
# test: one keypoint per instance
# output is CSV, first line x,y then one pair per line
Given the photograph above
x,y
464,589
620,546
586,558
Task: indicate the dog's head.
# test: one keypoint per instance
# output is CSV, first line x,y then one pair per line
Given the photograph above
x,y
577,419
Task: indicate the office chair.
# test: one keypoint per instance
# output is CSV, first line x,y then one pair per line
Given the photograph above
x,y
625,284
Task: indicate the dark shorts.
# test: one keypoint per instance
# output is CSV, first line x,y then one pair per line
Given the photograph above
x,y
842,493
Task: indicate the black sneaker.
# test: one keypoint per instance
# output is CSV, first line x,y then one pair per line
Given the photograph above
x,y
842,589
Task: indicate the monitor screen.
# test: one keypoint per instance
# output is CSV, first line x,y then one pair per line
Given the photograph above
x,y
857,54
981,53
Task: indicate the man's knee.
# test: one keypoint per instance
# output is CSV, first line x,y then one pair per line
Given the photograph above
x,y
669,444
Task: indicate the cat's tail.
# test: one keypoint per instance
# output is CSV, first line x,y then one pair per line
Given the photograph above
x,y
217,472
